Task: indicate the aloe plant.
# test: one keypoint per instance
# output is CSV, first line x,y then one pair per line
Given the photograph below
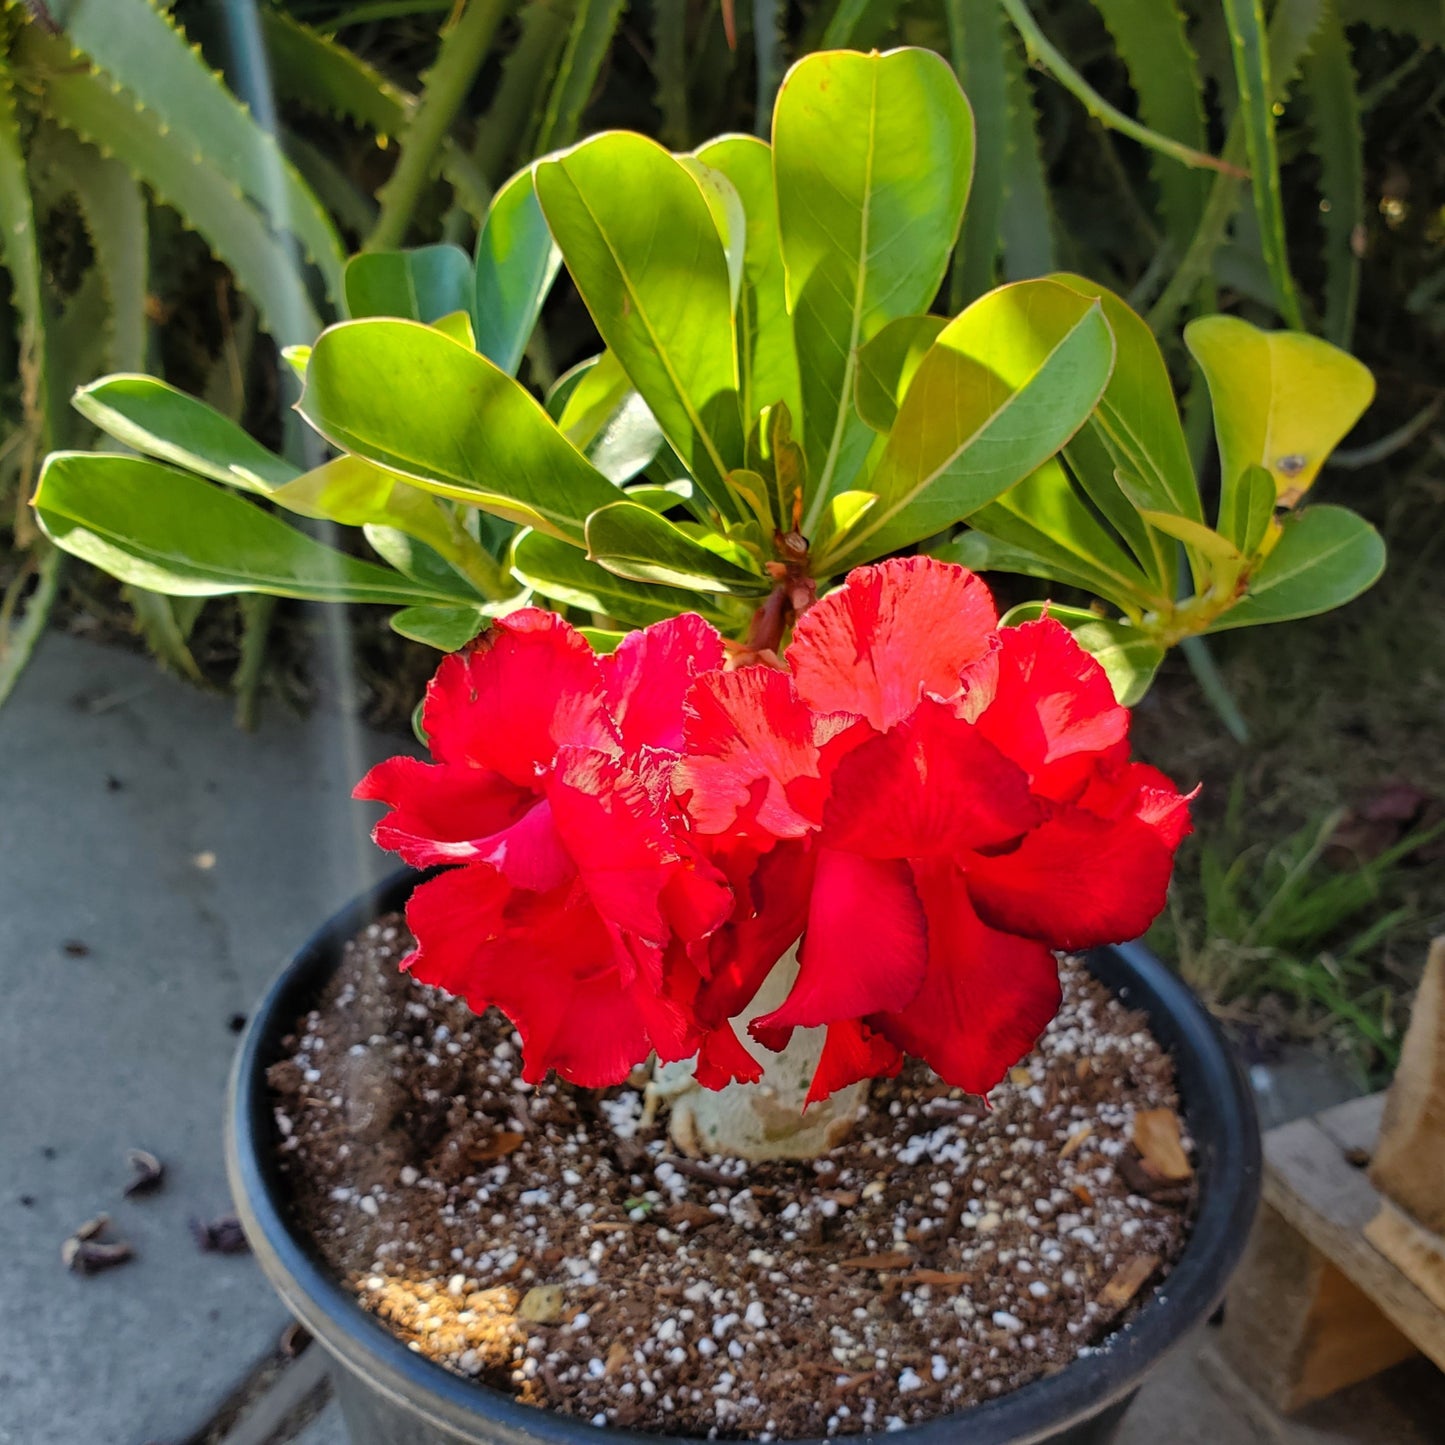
x,y
775,405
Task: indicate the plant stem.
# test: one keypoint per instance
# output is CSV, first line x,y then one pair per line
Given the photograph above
x,y
1212,684
1053,60
463,49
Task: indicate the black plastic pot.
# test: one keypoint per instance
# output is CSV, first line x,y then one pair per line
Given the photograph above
x,y
392,1396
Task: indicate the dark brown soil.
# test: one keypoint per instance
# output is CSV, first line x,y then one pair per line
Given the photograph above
x,y
540,1240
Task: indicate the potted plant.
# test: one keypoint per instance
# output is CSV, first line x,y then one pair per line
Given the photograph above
x,y
820,818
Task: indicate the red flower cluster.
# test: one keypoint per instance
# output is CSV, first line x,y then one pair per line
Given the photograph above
x,y
932,803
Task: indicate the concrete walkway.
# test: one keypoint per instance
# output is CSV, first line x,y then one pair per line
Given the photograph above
x,y
159,866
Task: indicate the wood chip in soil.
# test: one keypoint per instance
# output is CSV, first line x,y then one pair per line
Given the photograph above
x,y
537,1239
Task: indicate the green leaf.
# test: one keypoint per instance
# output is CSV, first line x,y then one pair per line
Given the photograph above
x,y
886,366
1247,508
768,361
158,419
423,284
516,265
194,184
1330,83
1128,657
608,422
174,533
1027,225
409,399
445,628
141,47
1251,52
728,216
1282,400
977,41
640,241
601,640
356,493
156,621
1325,556
415,559
1002,389
634,541
1153,41
587,47
563,574
984,552
872,156
1044,520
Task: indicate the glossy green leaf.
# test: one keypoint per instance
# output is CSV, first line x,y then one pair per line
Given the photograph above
x,y
564,575
886,366
424,284
171,532
606,419
636,542
983,552
1044,518
156,418
728,216
640,241
1203,541
1006,384
768,361
410,399
415,559
1325,556
1247,508
1282,400
1128,657
872,156
355,493
517,262
445,628
1135,431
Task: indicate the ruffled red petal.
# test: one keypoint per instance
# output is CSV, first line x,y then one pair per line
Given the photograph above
x,y
1077,881
985,998
649,674
751,761
933,785
1046,704
440,813
548,964
888,636
616,829
722,1060
528,685
852,1051
865,950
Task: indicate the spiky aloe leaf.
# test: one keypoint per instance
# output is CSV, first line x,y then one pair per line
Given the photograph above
x,y
20,251
85,102
669,64
1329,82
140,46
1026,227
1256,111
977,42
312,70
512,117
1152,41
587,47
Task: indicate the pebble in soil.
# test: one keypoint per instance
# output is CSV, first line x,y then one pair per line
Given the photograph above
x,y
537,1239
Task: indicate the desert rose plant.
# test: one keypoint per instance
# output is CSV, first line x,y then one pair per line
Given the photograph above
x,y
817,790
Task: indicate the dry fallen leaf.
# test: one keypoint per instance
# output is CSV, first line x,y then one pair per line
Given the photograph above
x,y
502,1143
1157,1138
617,1356
1083,1069
943,1278
898,1259
1020,1077
543,1305
1075,1139
1127,1280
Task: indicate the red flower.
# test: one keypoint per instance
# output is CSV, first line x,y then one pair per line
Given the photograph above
x,y
551,786
965,805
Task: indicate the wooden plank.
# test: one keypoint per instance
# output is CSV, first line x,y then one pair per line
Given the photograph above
x,y
1409,1163
1296,1328
1415,1251
1316,1191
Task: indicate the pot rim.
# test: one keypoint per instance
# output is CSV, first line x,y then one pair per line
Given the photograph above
x,y
1212,1090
